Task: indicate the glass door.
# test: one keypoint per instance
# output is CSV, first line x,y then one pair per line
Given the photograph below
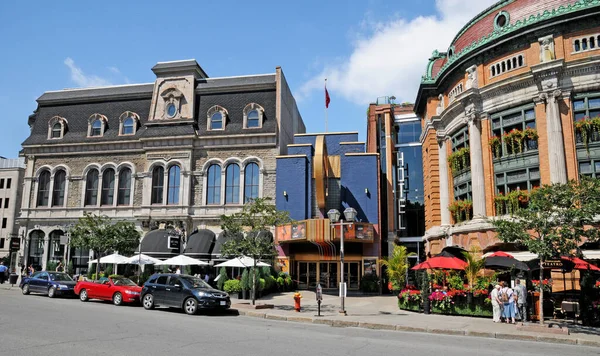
x,y
328,274
312,275
352,274
302,275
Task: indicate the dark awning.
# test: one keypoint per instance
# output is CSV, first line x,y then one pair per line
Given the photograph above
x,y
216,251
199,244
155,244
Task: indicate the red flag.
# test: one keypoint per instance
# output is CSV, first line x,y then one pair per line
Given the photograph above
x,y
327,99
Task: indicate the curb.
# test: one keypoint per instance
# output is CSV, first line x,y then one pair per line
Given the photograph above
x,y
405,328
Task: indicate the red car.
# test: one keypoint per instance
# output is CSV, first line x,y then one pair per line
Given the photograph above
x,y
118,289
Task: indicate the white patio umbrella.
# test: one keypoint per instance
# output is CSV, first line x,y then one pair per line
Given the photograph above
x,y
243,261
115,258
141,259
181,260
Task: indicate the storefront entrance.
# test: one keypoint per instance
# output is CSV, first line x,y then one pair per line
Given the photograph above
x,y
327,274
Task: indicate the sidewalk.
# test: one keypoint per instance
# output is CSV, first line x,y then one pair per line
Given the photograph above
x,y
381,312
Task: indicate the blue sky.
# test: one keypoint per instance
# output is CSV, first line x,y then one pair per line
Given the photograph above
x,y
366,49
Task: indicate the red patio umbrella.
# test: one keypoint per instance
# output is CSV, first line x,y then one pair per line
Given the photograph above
x,y
441,263
581,264
501,254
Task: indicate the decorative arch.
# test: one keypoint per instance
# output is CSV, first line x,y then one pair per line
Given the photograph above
x,y
95,129
57,127
231,160
253,159
209,163
211,123
61,167
127,164
89,167
253,116
125,129
108,165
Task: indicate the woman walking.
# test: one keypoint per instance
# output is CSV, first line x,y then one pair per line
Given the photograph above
x,y
506,297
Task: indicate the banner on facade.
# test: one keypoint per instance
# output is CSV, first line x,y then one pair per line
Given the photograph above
x,y
291,232
15,243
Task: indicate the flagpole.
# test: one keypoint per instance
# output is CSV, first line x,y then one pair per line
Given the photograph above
x,y
326,111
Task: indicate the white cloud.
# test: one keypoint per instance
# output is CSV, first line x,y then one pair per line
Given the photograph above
x,y
392,56
114,70
83,80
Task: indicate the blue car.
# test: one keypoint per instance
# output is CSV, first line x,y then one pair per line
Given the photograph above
x,y
49,283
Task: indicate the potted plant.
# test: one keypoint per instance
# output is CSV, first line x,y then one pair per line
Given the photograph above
x,y
500,202
425,292
245,284
454,209
397,265
514,140
531,135
467,208
583,128
595,125
496,146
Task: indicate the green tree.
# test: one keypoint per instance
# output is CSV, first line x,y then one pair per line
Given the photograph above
x,y
555,222
249,233
100,235
397,266
222,278
474,265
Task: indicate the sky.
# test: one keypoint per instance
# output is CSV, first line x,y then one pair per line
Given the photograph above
x,y
365,48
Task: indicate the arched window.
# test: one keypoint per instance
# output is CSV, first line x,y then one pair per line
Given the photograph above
x,y
216,121
96,128
57,130
108,187
43,188
213,186
158,181
58,191
232,184
250,182
128,126
91,187
253,119
173,185
124,193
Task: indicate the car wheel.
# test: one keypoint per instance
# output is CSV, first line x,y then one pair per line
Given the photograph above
x,y
190,306
148,301
51,292
83,296
25,289
117,299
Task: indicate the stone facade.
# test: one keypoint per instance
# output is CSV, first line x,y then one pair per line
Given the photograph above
x,y
544,84
155,172
11,178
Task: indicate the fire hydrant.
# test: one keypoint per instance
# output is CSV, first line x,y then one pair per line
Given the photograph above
x,y
297,297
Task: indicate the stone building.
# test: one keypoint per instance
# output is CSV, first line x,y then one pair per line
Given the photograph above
x,y
322,172
176,153
507,108
11,178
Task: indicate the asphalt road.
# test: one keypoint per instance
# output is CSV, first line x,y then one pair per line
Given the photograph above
x,y
36,325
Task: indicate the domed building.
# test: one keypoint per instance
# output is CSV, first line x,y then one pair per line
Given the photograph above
x,y
513,103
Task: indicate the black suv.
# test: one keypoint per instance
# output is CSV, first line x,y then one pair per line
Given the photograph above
x,y
182,291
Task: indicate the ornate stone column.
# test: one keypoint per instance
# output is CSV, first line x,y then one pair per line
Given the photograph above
x,y
26,244
556,147
46,251
443,174
477,178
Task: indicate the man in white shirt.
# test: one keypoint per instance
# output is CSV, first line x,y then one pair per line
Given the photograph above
x,y
496,303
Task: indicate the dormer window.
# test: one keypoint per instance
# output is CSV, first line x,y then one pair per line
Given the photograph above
x,y
57,127
253,116
216,121
129,123
171,110
97,125
96,128
217,118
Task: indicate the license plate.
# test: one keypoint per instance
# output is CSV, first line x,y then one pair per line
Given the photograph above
x,y
223,302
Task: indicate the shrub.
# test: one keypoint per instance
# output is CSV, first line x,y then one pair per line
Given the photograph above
x,y
108,271
222,279
280,283
246,284
70,269
232,286
262,283
51,266
369,283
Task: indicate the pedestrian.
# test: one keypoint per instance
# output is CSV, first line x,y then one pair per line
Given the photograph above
x,y
496,303
521,291
30,270
206,278
178,271
60,267
506,297
3,270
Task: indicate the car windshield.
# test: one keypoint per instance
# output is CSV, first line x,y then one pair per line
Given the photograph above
x,y
60,277
194,282
123,282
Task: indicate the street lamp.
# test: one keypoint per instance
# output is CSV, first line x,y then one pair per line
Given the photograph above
x,y
334,217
